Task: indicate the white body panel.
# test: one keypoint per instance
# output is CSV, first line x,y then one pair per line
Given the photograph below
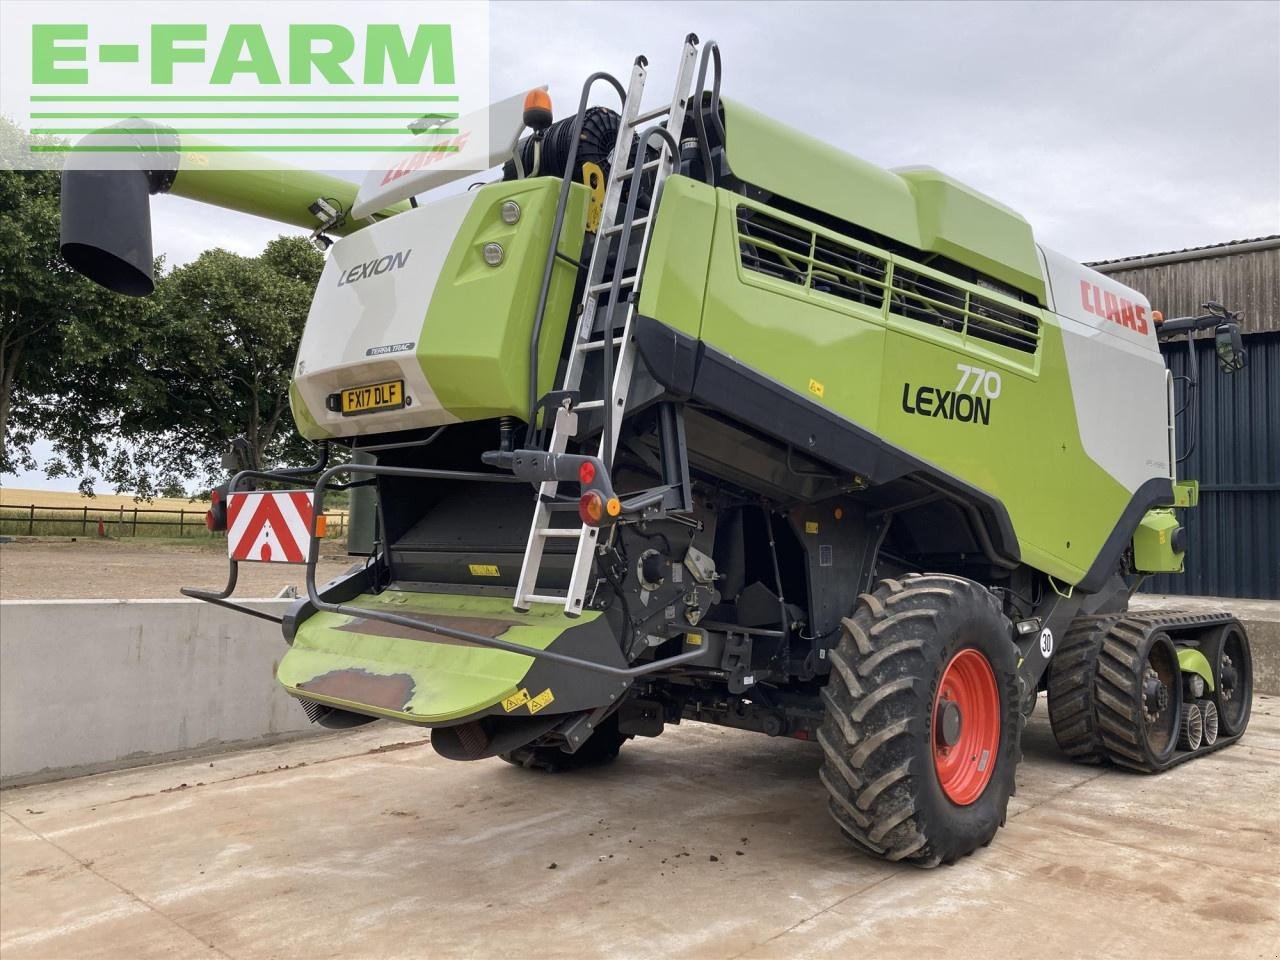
x,y
367,316
1118,377
405,175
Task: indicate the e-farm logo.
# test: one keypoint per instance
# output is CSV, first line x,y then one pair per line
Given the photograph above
x,y
315,51
345,83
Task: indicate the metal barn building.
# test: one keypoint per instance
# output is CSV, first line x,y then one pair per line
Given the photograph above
x,y
1234,535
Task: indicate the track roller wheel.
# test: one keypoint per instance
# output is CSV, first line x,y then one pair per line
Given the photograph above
x,y
1227,649
1138,697
601,747
920,738
1209,719
1191,728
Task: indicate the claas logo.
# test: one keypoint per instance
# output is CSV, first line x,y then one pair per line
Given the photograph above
x,y
1105,304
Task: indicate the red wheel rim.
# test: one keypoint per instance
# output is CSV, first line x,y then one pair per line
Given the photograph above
x,y
966,727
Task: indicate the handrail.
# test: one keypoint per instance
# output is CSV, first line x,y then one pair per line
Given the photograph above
x,y
562,203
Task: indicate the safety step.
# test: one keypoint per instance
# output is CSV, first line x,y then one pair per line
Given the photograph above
x,y
558,599
588,405
573,532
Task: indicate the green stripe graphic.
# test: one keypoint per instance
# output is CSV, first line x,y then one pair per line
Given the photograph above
x,y
225,148
264,98
254,131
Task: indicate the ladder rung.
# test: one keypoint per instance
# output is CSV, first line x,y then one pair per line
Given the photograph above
x,y
589,405
647,165
608,284
599,345
555,506
653,114
574,532
619,227
545,598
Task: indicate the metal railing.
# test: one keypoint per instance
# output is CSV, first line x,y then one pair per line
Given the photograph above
x,y
34,519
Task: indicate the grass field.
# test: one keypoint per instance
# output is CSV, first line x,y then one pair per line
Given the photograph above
x,y
53,513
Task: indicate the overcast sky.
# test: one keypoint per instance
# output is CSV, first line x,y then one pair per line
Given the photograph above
x,y
1114,128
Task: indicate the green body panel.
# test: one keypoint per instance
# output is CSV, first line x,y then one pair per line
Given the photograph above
x,y
835,352
681,245
302,417
1191,660
474,348
1153,543
919,207
1186,493
975,230
273,190
408,677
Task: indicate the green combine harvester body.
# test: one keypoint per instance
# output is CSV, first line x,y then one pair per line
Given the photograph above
x,y
692,416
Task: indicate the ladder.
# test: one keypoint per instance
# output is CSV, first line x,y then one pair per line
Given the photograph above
x,y
621,287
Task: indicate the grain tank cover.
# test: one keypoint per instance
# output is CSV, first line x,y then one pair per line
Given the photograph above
x,y
917,206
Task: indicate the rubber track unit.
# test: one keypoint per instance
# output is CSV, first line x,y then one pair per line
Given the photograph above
x,y
882,792
1094,700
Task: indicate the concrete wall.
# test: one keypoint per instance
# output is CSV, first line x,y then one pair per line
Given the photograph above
x,y
88,685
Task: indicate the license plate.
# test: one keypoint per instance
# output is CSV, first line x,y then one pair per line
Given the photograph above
x,y
375,396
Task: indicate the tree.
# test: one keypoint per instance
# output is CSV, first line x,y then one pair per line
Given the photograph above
x,y
61,337
143,393
219,364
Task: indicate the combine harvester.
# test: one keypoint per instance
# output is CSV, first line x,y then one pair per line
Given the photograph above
x,y
689,416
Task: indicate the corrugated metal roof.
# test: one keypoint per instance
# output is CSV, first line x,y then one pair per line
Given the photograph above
x,y
1209,250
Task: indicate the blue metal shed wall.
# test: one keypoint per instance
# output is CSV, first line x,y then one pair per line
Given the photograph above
x,y
1234,534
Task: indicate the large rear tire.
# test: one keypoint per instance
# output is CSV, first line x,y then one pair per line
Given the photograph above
x,y
601,748
920,739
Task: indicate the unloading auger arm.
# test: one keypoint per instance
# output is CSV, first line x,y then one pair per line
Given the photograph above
x,y
106,216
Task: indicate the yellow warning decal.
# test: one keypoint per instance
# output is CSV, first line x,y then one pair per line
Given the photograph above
x,y
693,639
483,569
811,526
518,699
541,700
816,388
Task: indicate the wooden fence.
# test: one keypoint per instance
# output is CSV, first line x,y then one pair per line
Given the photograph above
x,y
36,520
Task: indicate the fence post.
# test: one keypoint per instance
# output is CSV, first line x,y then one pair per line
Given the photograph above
x,y
31,521
120,522
84,522
182,522
135,521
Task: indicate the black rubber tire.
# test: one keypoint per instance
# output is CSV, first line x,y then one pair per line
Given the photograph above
x,y
601,748
877,737
1072,672
1233,713
1122,723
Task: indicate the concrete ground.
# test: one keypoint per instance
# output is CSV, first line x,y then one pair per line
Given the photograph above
x,y
703,843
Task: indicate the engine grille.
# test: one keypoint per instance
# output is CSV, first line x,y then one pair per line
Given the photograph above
x,y
822,264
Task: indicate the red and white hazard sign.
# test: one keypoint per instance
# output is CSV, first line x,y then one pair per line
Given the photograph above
x,y
271,526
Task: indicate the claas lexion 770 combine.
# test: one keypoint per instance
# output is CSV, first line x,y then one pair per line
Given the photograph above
x,y
689,416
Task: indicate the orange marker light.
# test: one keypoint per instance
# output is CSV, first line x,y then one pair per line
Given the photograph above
x,y
322,525
1157,316
537,109
613,507
591,508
